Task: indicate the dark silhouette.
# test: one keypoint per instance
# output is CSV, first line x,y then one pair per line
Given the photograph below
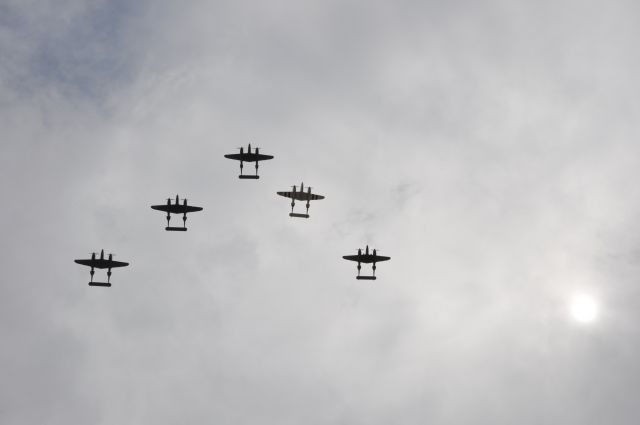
x,y
249,157
101,263
366,258
176,208
300,196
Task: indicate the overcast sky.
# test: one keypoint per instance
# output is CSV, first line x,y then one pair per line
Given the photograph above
x,y
489,147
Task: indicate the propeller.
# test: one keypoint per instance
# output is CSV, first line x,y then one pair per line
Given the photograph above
x,y
173,199
370,250
252,147
305,189
98,255
183,200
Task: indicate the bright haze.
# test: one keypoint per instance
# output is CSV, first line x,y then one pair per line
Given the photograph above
x,y
491,149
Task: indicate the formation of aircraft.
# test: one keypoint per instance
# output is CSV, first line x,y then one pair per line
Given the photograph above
x,y
367,259
176,208
184,209
101,263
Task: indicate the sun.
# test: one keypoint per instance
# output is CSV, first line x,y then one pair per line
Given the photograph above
x,y
584,308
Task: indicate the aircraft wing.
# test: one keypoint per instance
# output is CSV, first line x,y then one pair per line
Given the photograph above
x,y
249,157
352,257
165,208
188,209
88,263
366,258
301,196
379,258
261,157
176,209
102,263
235,156
113,264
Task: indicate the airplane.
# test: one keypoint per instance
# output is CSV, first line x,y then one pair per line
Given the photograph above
x,y
300,196
176,208
366,258
101,263
248,157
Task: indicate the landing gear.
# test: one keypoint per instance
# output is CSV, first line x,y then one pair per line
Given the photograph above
x,y
359,267
293,204
92,272
184,220
109,275
168,219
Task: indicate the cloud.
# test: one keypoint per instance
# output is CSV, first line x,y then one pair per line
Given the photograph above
x,y
487,148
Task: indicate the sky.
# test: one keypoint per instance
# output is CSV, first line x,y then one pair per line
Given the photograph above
x,y
488,147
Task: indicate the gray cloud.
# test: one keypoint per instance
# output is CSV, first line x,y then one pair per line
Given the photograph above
x,y
488,148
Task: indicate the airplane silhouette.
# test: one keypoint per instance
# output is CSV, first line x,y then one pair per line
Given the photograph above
x,y
300,195
248,157
176,208
101,263
366,258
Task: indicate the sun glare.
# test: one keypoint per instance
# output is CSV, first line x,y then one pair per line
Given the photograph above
x,y
584,308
